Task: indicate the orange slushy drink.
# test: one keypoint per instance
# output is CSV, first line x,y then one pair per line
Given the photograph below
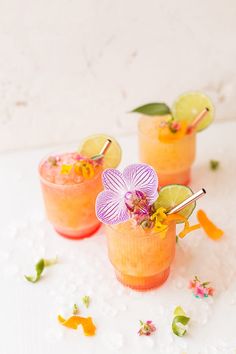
x,y
71,182
141,236
171,159
141,258
167,139
70,185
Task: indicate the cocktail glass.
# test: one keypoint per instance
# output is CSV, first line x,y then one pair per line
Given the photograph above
x,y
171,160
141,258
71,207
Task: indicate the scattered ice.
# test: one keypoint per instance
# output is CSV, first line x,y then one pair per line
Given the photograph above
x,y
59,299
149,342
201,311
4,256
179,282
12,232
100,277
11,270
107,292
161,310
113,340
41,250
183,344
204,320
233,300
54,334
108,310
71,288
52,293
120,291
122,307
182,270
29,242
210,300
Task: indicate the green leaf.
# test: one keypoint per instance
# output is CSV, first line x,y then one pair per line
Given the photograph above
x,y
205,283
180,319
50,262
153,109
86,300
176,328
214,165
75,309
39,268
179,311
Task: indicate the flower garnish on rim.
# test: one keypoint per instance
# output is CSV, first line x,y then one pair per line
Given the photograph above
x,y
127,195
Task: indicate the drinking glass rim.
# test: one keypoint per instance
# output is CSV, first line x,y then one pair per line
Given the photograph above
x,y
138,227
63,186
141,132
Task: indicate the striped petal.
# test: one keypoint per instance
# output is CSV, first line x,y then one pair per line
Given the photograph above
x,y
143,178
110,208
113,180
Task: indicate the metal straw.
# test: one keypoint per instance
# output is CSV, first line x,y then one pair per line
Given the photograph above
x,y
187,201
197,120
105,147
103,150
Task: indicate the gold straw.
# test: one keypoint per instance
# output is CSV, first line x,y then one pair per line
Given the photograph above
x,y
187,201
105,147
103,150
197,120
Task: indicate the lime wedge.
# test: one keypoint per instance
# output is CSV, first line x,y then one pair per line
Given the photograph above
x,y
172,195
92,145
189,105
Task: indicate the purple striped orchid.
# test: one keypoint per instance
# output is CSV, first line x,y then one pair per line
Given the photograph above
x,y
128,194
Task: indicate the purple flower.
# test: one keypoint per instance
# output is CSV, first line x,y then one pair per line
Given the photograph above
x,y
132,191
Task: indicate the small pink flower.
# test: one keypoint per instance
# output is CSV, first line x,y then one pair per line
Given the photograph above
x,y
175,125
146,328
200,289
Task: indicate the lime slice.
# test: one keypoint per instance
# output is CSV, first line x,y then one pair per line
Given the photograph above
x,y
93,144
172,195
189,105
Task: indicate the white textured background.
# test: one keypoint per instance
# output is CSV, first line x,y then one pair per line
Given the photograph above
x,y
69,68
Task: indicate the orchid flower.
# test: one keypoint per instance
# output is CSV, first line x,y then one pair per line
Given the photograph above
x,y
127,193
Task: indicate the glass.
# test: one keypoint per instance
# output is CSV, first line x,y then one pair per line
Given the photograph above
x,y
71,207
141,258
172,161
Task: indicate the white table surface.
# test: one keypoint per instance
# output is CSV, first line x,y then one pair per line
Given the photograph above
x,y
29,311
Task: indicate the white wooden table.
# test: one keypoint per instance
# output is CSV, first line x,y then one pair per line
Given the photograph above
x,y
29,311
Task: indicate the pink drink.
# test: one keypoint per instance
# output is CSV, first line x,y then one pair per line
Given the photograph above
x,y
70,193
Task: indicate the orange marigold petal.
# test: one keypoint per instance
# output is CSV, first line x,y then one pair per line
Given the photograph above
x,y
71,322
74,321
88,326
166,136
186,230
211,229
187,227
